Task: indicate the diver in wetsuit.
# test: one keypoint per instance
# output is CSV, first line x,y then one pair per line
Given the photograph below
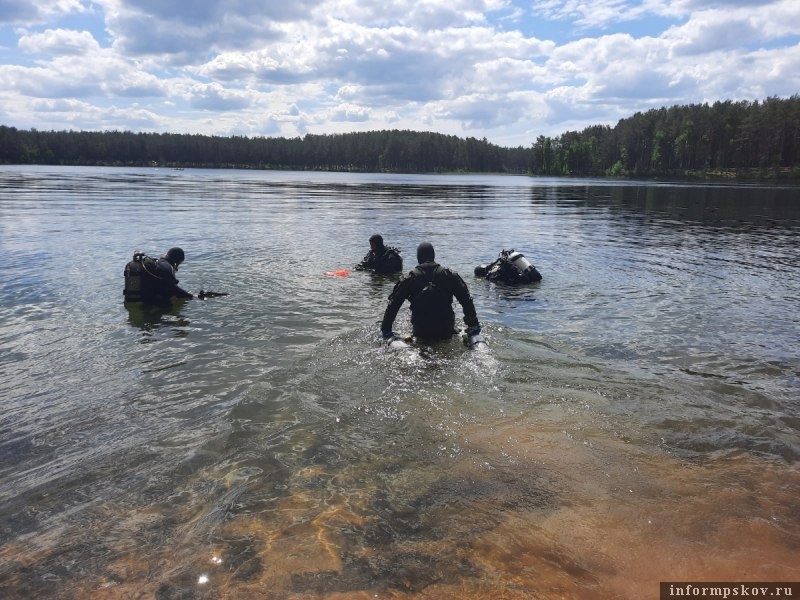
x,y
510,267
430,287
153,281
381,259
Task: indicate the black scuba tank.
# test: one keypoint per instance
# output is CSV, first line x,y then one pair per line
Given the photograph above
x,y
134,273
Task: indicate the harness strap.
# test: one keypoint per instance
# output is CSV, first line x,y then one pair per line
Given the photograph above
x,y
144,266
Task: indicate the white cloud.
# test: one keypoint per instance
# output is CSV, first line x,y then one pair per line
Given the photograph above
x,y
391,117
137,84
97,74
30,12
350,113
61,80
600,14
59,41
275,64
489,111
380,65
589,13
348,92
188,31
60,114
421,15
733,28
217,98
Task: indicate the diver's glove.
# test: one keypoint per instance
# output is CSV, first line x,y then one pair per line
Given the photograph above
x,y
388,334
474,330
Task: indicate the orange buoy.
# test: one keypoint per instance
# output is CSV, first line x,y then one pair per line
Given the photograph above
x,y
339,273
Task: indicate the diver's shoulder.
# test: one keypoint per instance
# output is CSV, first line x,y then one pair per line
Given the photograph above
x,y
448,271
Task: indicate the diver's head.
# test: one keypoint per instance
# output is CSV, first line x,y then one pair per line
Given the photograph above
x,y
425,252
481,270
175,257
376,242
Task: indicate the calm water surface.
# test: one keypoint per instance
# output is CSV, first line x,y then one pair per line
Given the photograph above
x,y
635,420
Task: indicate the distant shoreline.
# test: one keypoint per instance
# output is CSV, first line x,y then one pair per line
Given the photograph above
x,y
725,141
784,174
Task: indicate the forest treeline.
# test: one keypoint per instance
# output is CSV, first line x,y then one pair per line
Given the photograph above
x,y
726,138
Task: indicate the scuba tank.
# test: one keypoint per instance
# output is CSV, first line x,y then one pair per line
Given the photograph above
x,y
134,273
397,343
528,273
519,261
474,341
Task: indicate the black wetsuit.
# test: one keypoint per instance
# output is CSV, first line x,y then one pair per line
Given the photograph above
x,y
432,316
152,281
386,260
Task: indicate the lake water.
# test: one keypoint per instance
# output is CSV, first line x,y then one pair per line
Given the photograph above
x,y
636,418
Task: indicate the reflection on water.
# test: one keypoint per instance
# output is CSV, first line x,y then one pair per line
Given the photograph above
x,y
634,419
151,318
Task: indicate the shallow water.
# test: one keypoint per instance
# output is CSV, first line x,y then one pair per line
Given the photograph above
x,y
634,420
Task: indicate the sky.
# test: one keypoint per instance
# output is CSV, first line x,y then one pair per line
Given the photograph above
x,y
504,70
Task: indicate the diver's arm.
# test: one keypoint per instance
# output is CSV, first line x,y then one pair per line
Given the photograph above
x,y
461,293
396,299
166,274
365,263
179,292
